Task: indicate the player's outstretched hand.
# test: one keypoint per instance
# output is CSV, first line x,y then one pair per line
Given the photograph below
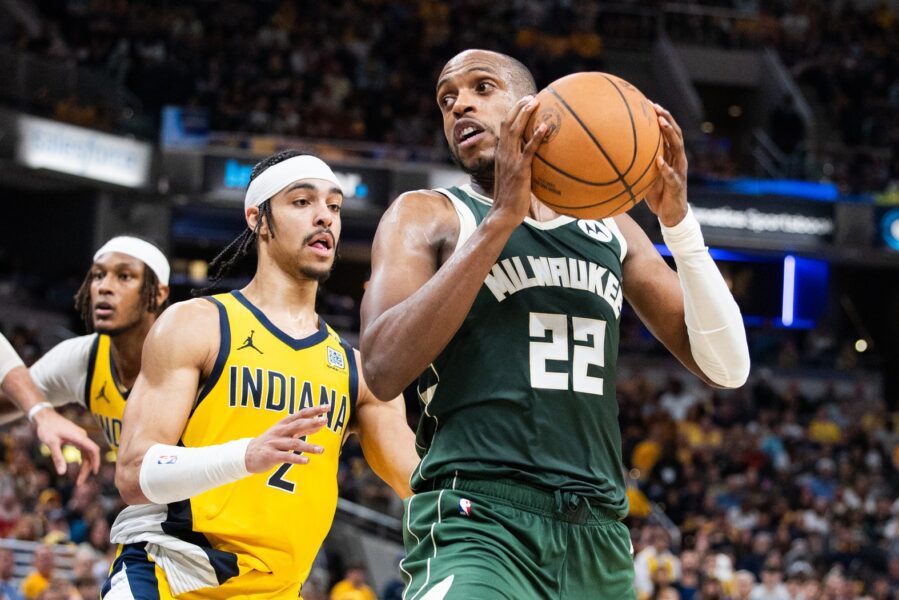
x,y
54,430
668,196
512,170
282,443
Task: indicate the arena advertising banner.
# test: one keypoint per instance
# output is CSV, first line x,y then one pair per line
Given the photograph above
x,y
45,144
764,222
227,178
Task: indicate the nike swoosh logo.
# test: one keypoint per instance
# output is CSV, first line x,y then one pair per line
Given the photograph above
x,y
439,591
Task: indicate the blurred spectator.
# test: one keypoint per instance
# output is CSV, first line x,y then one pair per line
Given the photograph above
x,y
87,587
8,591
353,586
744,582
39,579
654,562
677,401
771,587
59,590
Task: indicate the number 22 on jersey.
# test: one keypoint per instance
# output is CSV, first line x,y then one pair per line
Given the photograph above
x,y
549,342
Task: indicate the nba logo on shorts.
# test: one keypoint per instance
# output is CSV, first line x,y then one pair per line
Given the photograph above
x,y
465,507
335,359
167,460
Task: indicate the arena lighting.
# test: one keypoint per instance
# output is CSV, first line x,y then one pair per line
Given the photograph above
x,y
861,345
789,290
889,228
715,253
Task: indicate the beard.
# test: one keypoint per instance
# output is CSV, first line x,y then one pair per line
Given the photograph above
x,y
481,169
319,274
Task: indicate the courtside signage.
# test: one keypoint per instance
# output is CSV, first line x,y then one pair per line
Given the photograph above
x,y
45,144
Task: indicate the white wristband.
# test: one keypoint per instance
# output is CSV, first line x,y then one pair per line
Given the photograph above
x,y
36,409
173,473
686,236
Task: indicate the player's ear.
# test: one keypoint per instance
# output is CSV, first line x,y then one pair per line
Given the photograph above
x,y
162,294
252,217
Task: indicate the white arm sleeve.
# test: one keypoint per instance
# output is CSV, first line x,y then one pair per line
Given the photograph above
x,y
714,324
9,358
61,374
174,473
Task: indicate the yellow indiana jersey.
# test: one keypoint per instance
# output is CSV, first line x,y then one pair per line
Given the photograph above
x,y
103,394
262,533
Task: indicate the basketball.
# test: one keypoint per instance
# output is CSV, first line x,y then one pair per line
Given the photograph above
x,y
599,157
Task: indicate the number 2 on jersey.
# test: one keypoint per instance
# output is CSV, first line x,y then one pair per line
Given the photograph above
x,y
549,341
277,478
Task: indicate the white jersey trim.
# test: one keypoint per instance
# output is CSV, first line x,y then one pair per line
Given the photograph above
x,y
622,243
543,225
467,221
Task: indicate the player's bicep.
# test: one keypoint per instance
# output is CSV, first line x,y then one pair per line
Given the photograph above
x,y
175,354
405,251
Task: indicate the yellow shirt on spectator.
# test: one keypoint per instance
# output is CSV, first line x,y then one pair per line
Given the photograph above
x,y
645,456
33,585
824,432
344,590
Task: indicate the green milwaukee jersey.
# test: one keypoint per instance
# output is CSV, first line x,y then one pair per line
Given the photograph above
x,y
525,390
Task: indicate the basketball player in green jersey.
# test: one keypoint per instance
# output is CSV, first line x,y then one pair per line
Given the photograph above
x,y
510,313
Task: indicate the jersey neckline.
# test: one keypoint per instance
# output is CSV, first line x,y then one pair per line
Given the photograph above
x,y
551,224
295,343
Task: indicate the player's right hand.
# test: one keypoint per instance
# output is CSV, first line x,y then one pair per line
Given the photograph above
x,y
512,167
54,430
281,443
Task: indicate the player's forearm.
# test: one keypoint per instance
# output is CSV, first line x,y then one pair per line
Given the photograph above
x,y
166,473
713,320
388,444
20,390
403,340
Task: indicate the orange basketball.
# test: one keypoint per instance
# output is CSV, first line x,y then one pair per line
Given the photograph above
x,y
599,157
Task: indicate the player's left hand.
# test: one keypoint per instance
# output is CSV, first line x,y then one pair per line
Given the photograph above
x,y
55,430
667,198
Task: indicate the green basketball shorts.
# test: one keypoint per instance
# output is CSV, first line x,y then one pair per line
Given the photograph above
x,y
469,539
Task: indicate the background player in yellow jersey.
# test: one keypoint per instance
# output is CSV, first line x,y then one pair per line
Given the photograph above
x,y
236,393
123,292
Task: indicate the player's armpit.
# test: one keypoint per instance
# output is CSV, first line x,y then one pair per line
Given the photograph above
x,y
179,350
387,441
652,288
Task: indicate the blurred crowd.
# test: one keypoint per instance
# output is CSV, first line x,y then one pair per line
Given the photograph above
x,y
365,70
771,494
847,58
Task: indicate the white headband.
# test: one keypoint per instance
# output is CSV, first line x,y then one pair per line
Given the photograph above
x,y
141,250
279,176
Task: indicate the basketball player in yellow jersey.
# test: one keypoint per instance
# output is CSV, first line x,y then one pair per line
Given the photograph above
x,y
123,292
233,431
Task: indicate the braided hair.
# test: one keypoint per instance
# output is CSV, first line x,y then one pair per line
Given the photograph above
x,y
240,246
